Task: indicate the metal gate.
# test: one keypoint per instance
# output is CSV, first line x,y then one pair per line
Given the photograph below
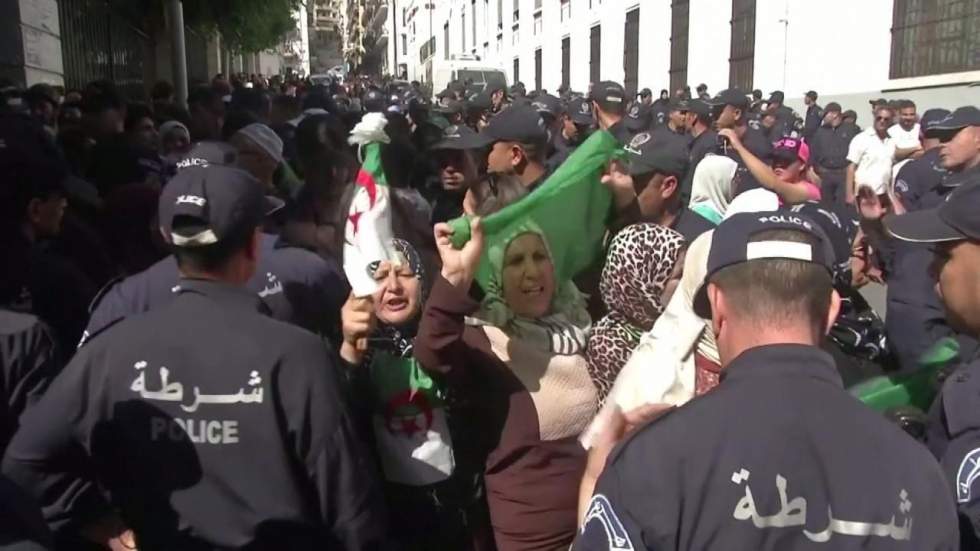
x,y
97,43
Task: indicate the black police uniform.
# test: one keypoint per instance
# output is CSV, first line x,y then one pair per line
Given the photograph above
x,y
828,154
916,317
298,286
29,362
777,456
210,424
814,114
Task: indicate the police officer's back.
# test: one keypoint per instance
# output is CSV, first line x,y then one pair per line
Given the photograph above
x,y
778,456
210,424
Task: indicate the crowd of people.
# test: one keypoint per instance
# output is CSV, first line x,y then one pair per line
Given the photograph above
x,y
185,364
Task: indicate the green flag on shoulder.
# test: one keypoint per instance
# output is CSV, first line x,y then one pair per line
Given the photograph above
x,y
570,208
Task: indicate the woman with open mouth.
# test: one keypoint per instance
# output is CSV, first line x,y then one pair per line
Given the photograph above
x,y
516,352
433,492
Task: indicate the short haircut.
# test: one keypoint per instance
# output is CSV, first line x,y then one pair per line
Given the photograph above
x,y
535,151
883,107
906,104
776,291
210,258
495,191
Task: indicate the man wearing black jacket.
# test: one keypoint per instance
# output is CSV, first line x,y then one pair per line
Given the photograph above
x,y
209,424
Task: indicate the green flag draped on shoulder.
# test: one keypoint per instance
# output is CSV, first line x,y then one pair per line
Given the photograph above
x,y
571,209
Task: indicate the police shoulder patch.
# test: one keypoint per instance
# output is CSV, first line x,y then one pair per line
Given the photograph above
x,y
968,472
601,522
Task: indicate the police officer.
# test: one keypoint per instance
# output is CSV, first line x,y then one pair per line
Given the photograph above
x,y
778,455
785,117
814,115
297,285
729,109
703,140
210,424
828,151
609,105
954,431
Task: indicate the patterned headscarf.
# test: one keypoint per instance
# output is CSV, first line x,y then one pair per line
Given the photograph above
x,y
639,264
397,341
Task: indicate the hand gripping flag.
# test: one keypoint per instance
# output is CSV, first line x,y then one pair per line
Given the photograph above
x,y
367,234
571,208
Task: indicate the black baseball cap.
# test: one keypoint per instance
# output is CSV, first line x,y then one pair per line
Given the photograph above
x,y
203,205
517,123
812,94
645,153
459,137
700,108
952,123
732,244
645,93
776,96
547,104
731,96
680,104
206,153
931,117
580,111
956,219
832,107
639,117
480,101
608,92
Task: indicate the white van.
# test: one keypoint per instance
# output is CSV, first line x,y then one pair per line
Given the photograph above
x,y
463,68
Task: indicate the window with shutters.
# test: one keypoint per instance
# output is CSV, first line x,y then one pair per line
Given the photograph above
x,y
566,62
537,69
931,37
679,18
566,10
595,53
500,14
445,40
742,59
517,70
473,16
462,28
537,24
515,35
631,52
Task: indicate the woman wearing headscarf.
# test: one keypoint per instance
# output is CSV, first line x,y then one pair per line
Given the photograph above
x,y
517,355
641,271
673,362
712,189
434,490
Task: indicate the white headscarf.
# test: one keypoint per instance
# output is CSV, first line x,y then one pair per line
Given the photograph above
x,y
753,200
711,191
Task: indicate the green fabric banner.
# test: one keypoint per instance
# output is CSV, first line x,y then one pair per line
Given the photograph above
x,y
570,208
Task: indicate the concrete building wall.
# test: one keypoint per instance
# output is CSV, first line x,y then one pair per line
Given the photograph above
x,y
841,48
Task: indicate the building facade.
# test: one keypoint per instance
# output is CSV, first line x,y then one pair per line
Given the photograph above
x,y
326,25
926,50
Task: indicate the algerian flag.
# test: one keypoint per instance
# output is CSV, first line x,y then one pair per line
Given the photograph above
x,y
410,427
367,235
571,209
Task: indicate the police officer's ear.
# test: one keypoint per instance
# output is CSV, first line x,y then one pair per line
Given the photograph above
x,y
832,311
719,309
668,186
